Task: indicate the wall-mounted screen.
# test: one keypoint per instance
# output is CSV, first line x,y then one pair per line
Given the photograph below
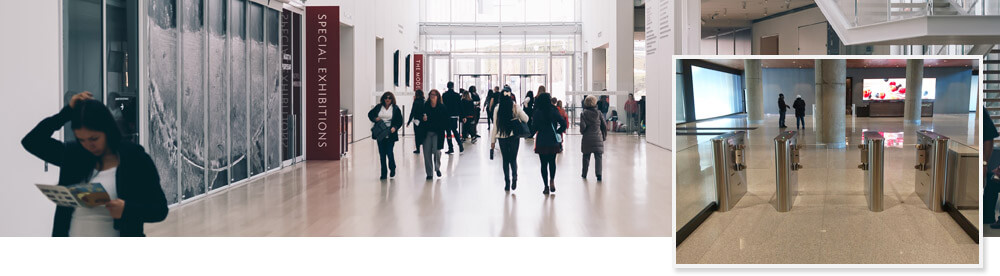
x,y
895,89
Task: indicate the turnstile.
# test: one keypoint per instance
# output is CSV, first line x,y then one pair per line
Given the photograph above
x,y
873,163
932,164
786,159
730,168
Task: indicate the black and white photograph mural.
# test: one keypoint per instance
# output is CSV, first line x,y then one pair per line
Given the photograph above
x,y
162,78
214,81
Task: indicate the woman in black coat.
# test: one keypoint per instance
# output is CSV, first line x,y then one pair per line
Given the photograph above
x,y
137,197
549,126
387,113
416,114
469,116
436,119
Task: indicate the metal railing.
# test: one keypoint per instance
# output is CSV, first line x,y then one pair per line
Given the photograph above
x,y
869,12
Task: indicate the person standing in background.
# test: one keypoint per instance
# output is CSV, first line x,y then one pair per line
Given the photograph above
x,y
417,113
782,107
632,111
800,112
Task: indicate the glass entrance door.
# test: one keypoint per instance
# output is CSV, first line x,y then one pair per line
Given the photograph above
x,y
520,84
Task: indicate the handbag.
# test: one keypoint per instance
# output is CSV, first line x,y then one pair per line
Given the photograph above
x,y
518,129
379,131
556,134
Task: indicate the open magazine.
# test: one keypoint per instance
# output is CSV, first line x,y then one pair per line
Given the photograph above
x,y
79,195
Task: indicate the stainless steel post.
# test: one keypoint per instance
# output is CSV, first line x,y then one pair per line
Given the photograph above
x,y
786,158
730,169
932,164
873,163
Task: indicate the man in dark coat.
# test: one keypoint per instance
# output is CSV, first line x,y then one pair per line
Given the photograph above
x,y
453,103
800,112
782,107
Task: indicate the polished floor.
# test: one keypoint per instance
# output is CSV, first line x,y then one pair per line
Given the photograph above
x,y
346,198
830,222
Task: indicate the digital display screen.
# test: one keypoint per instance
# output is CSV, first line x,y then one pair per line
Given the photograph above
x,y
895,89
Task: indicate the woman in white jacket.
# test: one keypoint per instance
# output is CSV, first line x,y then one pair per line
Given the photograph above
x,y
504,118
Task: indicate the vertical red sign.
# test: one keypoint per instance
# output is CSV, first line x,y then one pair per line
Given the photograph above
x,y
418,72
322,82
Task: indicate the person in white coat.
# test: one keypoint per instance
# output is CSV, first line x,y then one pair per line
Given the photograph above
x,y
506,116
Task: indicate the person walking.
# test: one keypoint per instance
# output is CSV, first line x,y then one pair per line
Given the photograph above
x,y
491,101
548,129
528,104
469,114
782,107
800,112
435,120
507,117
387,113
594,129
991,189
632,111
416,114
99,155
453,101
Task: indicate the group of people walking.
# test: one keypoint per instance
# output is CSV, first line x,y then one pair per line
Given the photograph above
x,y
436,118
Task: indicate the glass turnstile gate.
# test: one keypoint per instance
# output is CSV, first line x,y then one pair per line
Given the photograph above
x,y
786,166
932,164
730,169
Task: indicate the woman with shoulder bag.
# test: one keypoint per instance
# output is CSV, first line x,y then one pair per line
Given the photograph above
x,y
548,127
509,120
99,155
386,112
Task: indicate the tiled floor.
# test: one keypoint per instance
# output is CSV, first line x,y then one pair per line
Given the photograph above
x,y
346,198
830,222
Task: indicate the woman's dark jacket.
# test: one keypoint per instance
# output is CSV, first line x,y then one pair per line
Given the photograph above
x,y
396,122
417,114
137,180
438,120
800,107
469,111
547,123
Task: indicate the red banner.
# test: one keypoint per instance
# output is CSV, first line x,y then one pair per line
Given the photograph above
x,y
418,72
322,78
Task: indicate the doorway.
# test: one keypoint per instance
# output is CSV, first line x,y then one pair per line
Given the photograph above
x,y
769,45
520,84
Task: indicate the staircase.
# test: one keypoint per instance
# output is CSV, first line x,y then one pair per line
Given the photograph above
x,y
910,22
991,84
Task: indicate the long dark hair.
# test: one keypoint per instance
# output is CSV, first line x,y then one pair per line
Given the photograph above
x,y
435,93
543,102
505,113
93,115
419,94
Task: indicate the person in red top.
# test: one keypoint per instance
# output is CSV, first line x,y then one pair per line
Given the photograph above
x,y
632,110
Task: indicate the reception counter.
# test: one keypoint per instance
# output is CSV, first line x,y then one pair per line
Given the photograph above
x,y
895,108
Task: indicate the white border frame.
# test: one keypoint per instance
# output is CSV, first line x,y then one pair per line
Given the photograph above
x,y
673,157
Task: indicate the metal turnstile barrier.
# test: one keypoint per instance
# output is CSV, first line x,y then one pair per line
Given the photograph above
x,y
931,168
786,158
730,168
873,163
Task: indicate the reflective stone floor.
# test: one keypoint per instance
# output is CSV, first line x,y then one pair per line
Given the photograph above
x,y
830,222
346,198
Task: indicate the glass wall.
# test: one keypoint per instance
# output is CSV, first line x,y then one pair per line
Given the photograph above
x,y
214,83
716,93
82,44
517,11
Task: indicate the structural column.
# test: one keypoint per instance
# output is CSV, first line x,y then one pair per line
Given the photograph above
x,y
914,90
831,98
755,91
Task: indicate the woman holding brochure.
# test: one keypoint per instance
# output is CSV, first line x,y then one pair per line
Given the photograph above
x,y
98,155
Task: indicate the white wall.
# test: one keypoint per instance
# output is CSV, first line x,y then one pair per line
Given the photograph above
x,y
393,20
611,23
787,29
29,79
681,34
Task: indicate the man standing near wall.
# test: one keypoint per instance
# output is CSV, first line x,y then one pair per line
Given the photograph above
x,y
782,107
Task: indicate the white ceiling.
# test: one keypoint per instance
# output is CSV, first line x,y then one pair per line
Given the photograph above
x,y
734,14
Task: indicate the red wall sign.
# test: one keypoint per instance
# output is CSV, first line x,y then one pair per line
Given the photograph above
x,y
418,72
322,82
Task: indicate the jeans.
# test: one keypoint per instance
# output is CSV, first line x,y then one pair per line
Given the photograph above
x,y
508,150
781,119
432,155
800,119
597,163
385,147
